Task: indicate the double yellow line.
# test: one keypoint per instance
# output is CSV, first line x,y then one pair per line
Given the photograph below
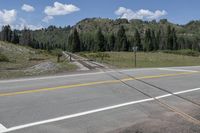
x,y
91,83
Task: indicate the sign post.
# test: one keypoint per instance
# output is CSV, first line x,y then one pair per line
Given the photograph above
x,y
135,48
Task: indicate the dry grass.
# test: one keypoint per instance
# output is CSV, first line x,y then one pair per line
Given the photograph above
x,y
156,59
22,58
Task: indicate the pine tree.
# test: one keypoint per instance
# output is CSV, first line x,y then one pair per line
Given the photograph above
x,y
158,40
15,37
6,33
111,42
74,42
169,38
148,46
121,42
26,37
137,40
100,41
154,41
175,44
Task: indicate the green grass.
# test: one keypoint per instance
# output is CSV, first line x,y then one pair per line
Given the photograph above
x,y
154,59
3,58
187,52
17,59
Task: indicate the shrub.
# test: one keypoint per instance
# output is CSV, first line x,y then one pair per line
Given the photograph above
x,y
58,53
3,58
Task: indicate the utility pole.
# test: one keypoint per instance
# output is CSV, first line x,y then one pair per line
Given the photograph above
x,y
135,48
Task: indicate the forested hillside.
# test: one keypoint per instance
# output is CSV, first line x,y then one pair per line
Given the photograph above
x,y
97,34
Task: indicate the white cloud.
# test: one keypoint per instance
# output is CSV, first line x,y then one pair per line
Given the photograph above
x,y
10,17
60,9
129,14
28,8
7,16
47,18
23,23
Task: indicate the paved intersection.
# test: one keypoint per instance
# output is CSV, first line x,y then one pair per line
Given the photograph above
x,y
101,102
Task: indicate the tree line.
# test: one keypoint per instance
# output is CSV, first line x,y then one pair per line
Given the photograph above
x,y
75,40
151,41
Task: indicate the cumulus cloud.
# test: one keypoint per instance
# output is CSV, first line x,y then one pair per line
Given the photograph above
x,y
28,8
7,16
129,14
58,9
23,23
10,17
47,18
28,26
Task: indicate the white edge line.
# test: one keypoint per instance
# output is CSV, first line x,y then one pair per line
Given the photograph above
x,y
93,111
75,115
177,70
163,96
186,91
49,77
2,128
95,73
64,76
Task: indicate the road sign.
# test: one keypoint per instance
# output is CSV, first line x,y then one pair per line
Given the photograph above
x,y
135,48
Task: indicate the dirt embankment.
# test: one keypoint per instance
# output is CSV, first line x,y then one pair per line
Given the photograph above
x,y
25,61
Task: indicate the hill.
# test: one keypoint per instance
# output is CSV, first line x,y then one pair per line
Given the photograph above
x,y
187,36
94,32
25,61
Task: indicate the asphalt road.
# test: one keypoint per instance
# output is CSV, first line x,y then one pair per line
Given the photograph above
x,y
111,101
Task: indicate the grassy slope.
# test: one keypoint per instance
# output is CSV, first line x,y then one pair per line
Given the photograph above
x,y
21,58
157,59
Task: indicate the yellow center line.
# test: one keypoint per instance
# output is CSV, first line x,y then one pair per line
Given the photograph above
x,y
92,83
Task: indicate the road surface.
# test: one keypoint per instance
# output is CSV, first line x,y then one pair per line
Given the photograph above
x,y
140,100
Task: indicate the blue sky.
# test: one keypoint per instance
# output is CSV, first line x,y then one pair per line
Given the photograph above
x,y
69,12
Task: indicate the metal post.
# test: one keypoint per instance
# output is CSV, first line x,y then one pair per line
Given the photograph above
x,y
135,48
70,57
135,59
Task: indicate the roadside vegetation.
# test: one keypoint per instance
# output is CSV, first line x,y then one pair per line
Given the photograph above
x,y
144,59
159,44
187,52
19,61
58,53
100,35
3,58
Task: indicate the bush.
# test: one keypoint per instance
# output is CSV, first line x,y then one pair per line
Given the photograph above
x,y
58,53
3,58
